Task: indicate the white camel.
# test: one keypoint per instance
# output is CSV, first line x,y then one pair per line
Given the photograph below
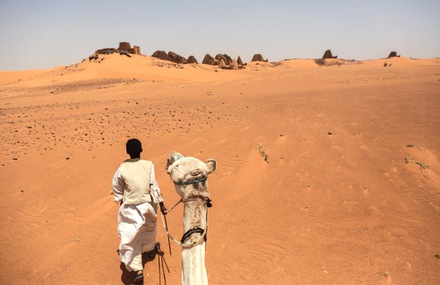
x,y
190,176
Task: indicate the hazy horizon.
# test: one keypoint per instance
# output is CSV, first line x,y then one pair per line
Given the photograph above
x,y
44,34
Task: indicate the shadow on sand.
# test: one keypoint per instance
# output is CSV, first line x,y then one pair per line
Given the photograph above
x,y
127,277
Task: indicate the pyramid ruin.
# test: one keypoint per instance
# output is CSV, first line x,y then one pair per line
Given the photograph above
x,y
328,54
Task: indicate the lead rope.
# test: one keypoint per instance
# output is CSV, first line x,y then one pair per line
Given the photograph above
x,y
179,243
178,202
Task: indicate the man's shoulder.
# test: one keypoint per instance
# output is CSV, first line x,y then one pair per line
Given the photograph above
x,y
130,163
146,162
136,160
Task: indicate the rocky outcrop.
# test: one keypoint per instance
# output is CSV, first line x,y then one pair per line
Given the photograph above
x,y
328,54
208,59
125,46
223,61
239,61
160,54
258,57
234,65
393,54
124,49
170,56
174,57
222,64
192,59
137,50
226,59
106,51
93,57
111,51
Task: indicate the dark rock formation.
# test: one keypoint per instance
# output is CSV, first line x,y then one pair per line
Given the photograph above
x,y
393,54
239,61
123,52
222,64
226,59
125,46
106,51
223,61
258,57
170,56
160,54
174,57
94,56
328,54
137,50
124,49
208,59
234,65
192,59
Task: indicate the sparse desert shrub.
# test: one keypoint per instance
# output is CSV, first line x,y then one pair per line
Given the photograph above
x,y
263,153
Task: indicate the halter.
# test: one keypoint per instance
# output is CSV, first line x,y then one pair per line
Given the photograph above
x,y
193,230
203,179
191,198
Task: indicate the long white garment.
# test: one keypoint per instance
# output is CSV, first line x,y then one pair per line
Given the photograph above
x,y
136,223
137,232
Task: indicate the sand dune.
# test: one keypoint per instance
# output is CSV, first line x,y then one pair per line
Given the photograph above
x,y
349,193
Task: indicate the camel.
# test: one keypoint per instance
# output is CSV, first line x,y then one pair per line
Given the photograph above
x,y
190,176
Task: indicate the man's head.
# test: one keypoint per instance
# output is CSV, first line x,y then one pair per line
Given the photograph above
x,y
134,148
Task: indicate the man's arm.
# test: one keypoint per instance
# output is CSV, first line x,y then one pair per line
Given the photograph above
x,y
118,185
155,191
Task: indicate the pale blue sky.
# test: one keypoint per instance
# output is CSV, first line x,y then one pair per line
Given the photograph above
x,y
47,33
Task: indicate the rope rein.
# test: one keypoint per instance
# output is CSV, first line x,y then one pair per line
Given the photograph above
x,y
186,235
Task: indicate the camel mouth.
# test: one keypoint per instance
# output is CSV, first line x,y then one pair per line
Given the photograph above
x,y
199,176
197,173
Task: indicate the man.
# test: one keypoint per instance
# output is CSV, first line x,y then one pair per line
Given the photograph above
x,y
136,189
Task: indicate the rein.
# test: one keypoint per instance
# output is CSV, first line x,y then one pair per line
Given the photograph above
x,y
201,231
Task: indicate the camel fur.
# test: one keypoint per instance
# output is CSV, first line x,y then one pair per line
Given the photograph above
x,y
189,175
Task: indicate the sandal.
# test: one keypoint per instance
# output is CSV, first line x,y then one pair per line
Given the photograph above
x,y
139,278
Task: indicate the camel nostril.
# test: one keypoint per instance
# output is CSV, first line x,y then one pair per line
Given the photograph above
x,y
196,172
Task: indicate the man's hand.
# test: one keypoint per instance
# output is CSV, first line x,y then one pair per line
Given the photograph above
x,y
163,209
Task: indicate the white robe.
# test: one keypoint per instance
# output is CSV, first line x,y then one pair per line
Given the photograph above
x,y
137,232
136,223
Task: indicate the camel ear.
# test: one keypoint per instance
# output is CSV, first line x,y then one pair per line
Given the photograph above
x,y
172,157
211,164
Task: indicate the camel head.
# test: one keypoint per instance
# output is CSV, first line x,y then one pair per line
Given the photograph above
x,y
188,170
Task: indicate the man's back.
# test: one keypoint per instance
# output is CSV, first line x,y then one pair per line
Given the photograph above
x,y
136,175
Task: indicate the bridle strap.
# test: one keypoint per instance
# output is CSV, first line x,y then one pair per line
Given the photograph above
x,y
188,234
193,198
203,179
202,232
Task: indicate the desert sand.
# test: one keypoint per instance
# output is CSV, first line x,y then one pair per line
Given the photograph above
x,y
348,193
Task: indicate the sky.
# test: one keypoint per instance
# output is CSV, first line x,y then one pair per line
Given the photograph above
x,y
41,34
